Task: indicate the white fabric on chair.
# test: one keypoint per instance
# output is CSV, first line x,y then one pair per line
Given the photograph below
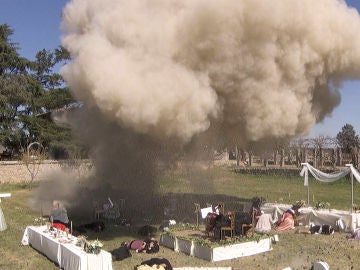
x,y
3,226
205,211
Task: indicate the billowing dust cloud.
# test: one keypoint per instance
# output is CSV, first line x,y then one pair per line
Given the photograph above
x,y
151,73
255,69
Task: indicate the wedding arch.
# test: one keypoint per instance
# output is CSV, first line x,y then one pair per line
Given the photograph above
x,y
329,177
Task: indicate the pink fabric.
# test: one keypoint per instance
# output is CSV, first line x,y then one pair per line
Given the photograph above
x,y
136,245
286,222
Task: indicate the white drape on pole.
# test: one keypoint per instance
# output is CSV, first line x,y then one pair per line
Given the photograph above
x,y
305,172
355,173
329,177
321,176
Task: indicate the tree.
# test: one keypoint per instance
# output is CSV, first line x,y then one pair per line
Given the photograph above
x,y
52,95
29,89
14,83
347,138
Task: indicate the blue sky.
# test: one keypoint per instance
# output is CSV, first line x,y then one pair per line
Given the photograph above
x,y
36,23
36,26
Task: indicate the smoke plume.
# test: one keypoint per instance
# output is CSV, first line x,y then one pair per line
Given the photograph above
x,y
157,74
255,69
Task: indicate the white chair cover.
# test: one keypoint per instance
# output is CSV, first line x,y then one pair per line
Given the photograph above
x,y
3,226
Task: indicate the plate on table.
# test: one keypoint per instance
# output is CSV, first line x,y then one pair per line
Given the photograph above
x,y
65,241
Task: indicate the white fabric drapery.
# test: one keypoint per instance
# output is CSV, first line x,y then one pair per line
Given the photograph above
x,y
355,173
321,176
327,177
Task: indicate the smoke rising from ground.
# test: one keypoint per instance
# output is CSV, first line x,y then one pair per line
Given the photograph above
x,y
256,69
157,74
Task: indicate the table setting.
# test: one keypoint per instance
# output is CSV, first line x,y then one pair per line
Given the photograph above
x,y
67,250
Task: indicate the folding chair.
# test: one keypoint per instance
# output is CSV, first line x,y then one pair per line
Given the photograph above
x,y
249,226
230,228
197,212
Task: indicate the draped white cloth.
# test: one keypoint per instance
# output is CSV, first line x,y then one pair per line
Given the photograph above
x,y
355,173
308,215
327,177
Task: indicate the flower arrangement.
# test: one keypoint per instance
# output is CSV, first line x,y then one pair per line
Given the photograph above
x,y
40,221
298,204
322,205
93,247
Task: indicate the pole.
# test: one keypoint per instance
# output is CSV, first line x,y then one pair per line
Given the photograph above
x,y
306,179
308,196
352,187
352,192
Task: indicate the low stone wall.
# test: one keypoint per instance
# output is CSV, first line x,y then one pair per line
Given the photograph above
x,y
17,172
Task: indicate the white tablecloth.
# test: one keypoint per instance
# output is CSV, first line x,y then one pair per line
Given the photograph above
x,y
309,215
67,256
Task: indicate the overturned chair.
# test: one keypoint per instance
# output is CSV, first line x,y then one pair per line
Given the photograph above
x,y
109,210
115,209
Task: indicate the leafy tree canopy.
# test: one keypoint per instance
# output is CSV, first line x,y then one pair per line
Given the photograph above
x,y
347,138
29,89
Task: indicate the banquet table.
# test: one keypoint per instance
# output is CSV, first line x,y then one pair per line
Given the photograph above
x,y
63,251
309,215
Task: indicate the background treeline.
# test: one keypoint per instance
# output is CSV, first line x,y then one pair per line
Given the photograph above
x,y
320,152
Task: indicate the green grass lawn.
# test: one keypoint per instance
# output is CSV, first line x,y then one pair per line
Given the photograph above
x,y
273,189
223,181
